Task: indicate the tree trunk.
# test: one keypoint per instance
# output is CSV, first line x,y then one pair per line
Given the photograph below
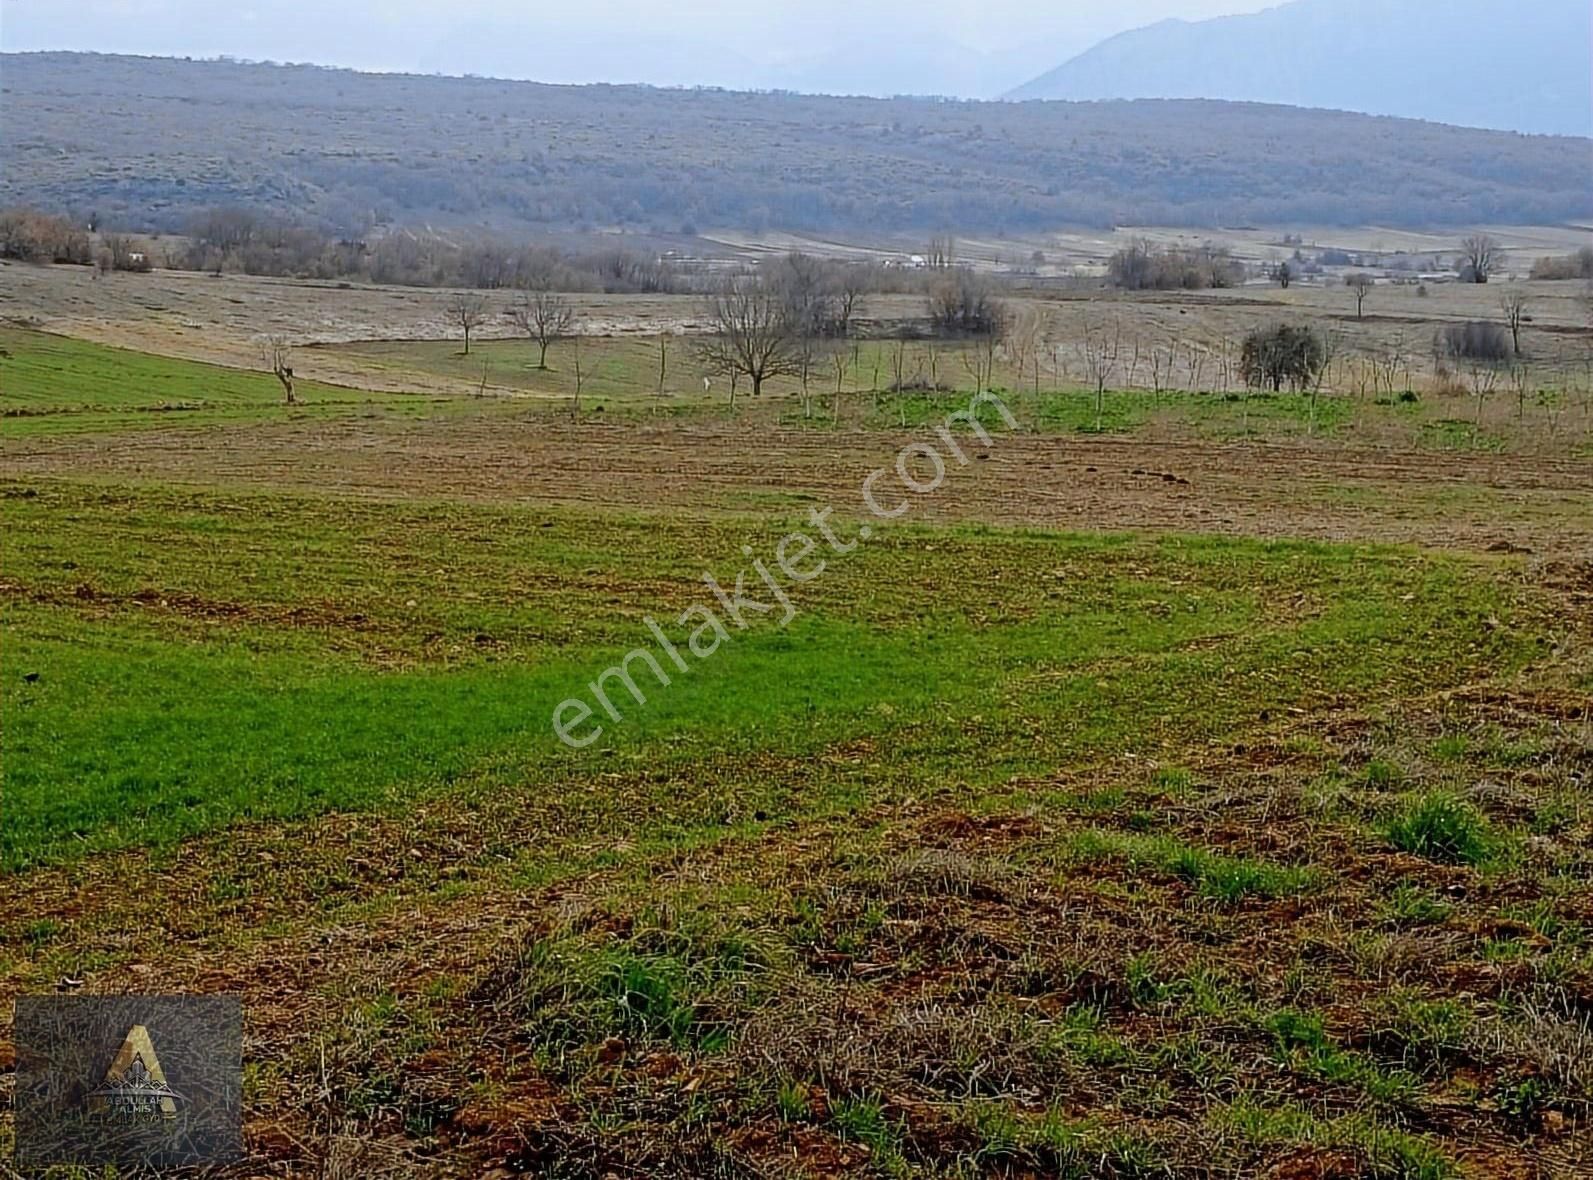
x,y
542,361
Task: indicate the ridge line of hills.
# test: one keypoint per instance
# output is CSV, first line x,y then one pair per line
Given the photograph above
x,y
148,142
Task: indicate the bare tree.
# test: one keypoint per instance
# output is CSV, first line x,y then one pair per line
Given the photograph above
x,y
575,354
1162,361
469,311
980,361
1196,367
899,365
663,360
1483,378
752,333
1520,381
1323,362
852,285
544,317
1480,257
1514,306
1099,349
840,358
1361,284
278,356
942,252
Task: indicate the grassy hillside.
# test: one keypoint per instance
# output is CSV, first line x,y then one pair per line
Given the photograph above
x,y
149,141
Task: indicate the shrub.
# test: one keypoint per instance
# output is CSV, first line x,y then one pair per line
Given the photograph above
x,y
1441,828
966,305
1285,353
1569,266
1476,341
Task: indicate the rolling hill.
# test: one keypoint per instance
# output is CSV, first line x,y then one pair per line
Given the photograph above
x,y
1476,63
148,142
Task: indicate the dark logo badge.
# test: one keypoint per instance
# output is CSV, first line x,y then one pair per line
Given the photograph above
x,y
131,1081
135,1085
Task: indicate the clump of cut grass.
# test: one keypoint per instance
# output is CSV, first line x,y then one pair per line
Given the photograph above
x,y
935,872
1441,827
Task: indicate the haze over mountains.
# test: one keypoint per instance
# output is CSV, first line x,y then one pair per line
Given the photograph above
x,y
1521,65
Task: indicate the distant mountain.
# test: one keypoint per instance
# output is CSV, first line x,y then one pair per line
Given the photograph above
x,y
1513,65
148,142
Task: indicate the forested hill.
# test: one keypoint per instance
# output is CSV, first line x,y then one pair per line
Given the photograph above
x,y
147,141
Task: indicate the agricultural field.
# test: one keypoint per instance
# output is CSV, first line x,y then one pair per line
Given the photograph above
x,y
1195,783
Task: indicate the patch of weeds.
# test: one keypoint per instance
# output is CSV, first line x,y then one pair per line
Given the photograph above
x,y
1521,1100
1423,1033
1222,878
1108,801
862,1119
1439,827
225,887
1554,817
40,932
846,925
650,1001
1509,948
1381,775
1230,879
1304,1043
1387,1153
794,1101
1056,1145
1459,434
1411,905
1080,1033
660,984
1173,780
1543,917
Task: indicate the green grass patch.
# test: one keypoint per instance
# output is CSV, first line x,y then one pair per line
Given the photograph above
x,y
183,661
1443,828
55,384
1387,1152
1223,878
1302,1041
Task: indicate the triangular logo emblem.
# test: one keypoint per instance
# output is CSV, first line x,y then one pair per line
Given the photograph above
x,y
135,1086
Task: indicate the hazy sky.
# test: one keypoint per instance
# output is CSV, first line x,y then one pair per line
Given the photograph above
x,y
971,48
